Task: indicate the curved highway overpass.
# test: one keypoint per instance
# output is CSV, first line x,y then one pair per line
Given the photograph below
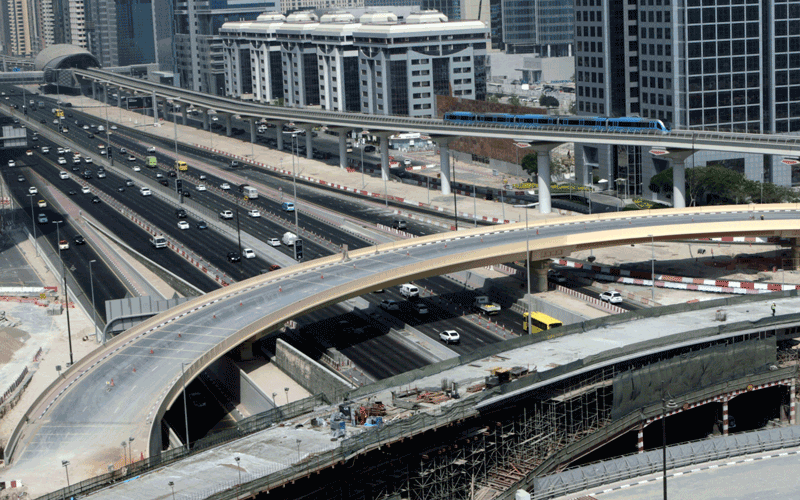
x,y
677,139
123,389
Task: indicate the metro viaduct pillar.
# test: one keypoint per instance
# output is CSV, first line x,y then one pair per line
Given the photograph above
x,y
155,108
342,131
538,274
443,142
94,90
543,177
795,256
228,126
279,132
184,112
205,119
309,128
384,153
678,157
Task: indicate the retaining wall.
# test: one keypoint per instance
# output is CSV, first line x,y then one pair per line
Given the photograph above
x,y
314,377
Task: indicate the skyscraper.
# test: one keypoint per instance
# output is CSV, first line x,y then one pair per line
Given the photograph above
x,y
544,27
727,65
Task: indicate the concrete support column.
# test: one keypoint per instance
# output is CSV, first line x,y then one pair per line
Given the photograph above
x,y
184,112
105,94
228,126
795,253
384,154
205,119
342,148
120,101
279,134
444,162
792,414
539,270
640,439
543,177
678,159
725,416
252,122
94,91
309,142
155,107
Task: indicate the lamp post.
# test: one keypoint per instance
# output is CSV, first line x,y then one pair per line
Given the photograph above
x,y
474,206
238,227
66,294
287,394
33,223
528,267
274,401
363,182
124,445
652,268
617,183
94,308
665,403
65,464
240,477
108,128
185,413
455,198
130,450
294,181
172,487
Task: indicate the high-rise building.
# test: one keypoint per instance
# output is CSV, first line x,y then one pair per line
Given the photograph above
x,y
16,28
374,64
198,47
727,65
69,22
544,27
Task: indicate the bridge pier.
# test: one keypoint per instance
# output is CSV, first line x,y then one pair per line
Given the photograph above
x,y
94,90
444,161
309,142
205,119
678,158
279,133
155,108
228,126
538,274
184,112
252,122
384,154
105,94
795,247
543,176
342,145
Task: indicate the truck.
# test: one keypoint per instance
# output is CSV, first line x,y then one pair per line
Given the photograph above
x,y
181,166
158,241
152,161
486,306
289,238
250,192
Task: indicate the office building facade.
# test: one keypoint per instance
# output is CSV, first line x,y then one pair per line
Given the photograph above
x,y
545,27
373,64
726,65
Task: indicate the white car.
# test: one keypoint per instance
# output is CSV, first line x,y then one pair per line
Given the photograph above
x,y
27,153
88,160
151,149
254,213
113,127
225,186
450,337
62,160
85,190
63,175
131,158
45,150
12,163
86,127
183,225
200,187
611,296
137,168
248,253
33,190
226,214
274,242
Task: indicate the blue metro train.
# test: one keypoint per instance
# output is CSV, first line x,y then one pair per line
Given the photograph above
x,y
624,124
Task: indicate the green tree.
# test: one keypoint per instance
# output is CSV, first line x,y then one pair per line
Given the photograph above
x,y
514,100
493,98
548,101
530,164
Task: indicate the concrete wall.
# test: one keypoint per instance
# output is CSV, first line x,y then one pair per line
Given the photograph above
x,y
239,386
314,377
564,315
253,398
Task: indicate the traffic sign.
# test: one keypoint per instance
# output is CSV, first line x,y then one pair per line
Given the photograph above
x,y
522,145
790,161
658,152
17,70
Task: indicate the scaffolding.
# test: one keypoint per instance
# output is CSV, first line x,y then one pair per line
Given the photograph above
x,y
453,471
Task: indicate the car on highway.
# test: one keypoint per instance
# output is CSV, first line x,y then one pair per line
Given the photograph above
x,y
12,163
172,173
144,191
27,153
61,160
390,305
113,127
101,174
450,337
200,187
226,214
43,121
187,193
20,178
254,213
159,175
137,168
399,224
129,182
88,160
183,225
180,213
164,182
556,277
63,175
273,267
121,189
32,189
203,177
248,253
78,240
122,151
274,242
42,218
131,158
611,296
42,204
96,199
201,224
420,307
86,190
225,186
151,149
45,150
63,245
234,257
85,127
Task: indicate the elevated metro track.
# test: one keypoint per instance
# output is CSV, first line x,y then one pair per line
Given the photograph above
x,y
123,389
677,139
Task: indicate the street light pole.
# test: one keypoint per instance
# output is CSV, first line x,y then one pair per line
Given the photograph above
x,y
294,179
94,308
652,268
528,267
665,403
65,464
474,206
130,450
172,486
363,182
66,294
240,477
185,413
33,223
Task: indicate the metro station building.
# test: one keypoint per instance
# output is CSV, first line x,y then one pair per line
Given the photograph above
x,y
375,64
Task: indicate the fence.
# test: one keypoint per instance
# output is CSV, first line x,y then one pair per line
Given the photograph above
x,y
245,427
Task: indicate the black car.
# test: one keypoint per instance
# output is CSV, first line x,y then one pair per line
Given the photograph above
x,y
91,136
95,199
369,148
164,182
78,240
202,224
180,213
72,192
234,257
172,173
187,194
43,121
128,182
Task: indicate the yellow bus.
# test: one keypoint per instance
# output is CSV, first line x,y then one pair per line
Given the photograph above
x,y
540,322
181,165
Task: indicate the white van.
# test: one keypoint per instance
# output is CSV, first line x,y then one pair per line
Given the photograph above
x,y
158,241
250,192
409,290
145,191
